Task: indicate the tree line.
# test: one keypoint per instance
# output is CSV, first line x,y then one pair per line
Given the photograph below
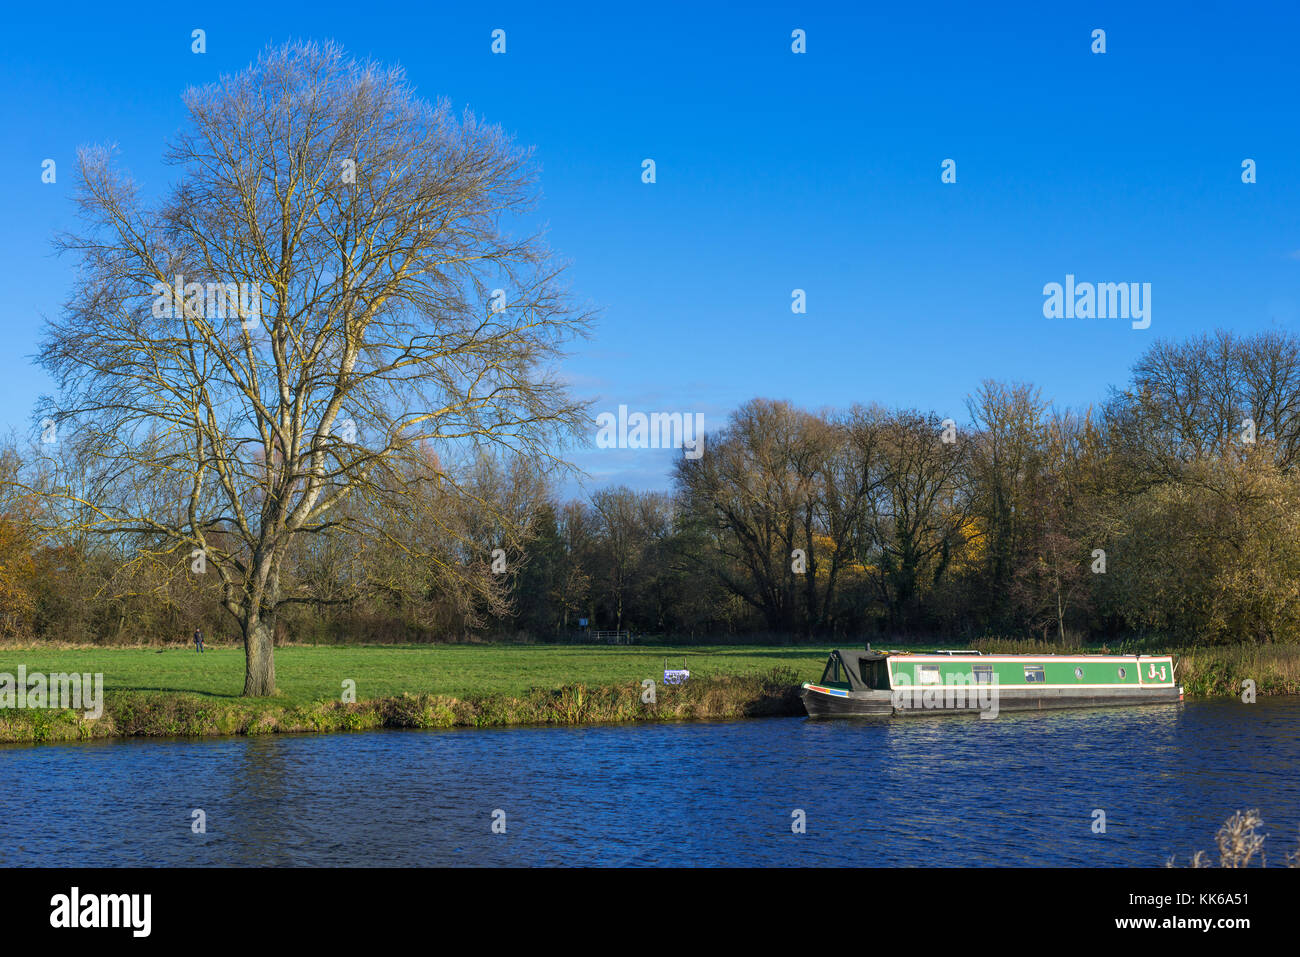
x,y
1169,508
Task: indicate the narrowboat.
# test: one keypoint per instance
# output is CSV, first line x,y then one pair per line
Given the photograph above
x,y
860,683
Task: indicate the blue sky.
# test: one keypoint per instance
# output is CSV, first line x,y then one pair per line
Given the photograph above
x,y
775,171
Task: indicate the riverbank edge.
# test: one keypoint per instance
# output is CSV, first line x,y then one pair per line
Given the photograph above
x,y
157,714
140,714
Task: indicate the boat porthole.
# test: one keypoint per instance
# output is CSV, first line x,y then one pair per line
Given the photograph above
x,y
1122,673
1078,673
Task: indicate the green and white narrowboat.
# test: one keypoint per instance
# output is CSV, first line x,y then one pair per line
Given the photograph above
x,y
858,683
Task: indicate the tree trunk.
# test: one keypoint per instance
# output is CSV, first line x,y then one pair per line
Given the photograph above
x,y
259,658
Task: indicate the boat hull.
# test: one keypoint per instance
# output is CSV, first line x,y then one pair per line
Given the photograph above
x,y
832,703
824,703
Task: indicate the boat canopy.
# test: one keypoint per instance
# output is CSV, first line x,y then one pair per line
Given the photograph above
x,y
860,670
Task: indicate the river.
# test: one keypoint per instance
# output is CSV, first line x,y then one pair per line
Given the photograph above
x,y
1019,790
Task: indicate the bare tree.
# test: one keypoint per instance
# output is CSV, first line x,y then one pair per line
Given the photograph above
x,y
622,544
1212,396
781,492
749,489
915,519
330,289
1006,461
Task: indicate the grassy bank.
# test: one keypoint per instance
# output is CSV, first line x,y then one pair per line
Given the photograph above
x,y
157,713
153,692
176,691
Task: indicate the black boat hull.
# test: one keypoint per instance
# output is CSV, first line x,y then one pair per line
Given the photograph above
x,y
827,704
852,704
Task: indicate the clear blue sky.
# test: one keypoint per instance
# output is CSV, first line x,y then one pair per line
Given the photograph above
x,y
776,171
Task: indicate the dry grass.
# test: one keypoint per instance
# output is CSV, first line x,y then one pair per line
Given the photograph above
x,y
1275,669
1239,844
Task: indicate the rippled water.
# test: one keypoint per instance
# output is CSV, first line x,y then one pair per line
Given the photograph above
x,y
1019,790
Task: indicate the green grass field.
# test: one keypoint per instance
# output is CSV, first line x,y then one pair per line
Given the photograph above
x,y
307,675
313,674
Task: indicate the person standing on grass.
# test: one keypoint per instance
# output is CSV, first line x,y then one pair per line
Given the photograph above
x,y
198,641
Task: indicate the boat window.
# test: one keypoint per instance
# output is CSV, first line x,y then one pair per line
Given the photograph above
x,y
1078,673
1122,674
1034,675
928,675
875,674
983,674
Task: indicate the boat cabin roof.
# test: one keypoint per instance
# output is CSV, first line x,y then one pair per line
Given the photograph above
x,y
853,656
852,671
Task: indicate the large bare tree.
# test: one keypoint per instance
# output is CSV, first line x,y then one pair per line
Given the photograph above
x,y
331,289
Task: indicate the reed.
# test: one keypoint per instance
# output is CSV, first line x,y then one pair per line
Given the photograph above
x,y
1240,843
